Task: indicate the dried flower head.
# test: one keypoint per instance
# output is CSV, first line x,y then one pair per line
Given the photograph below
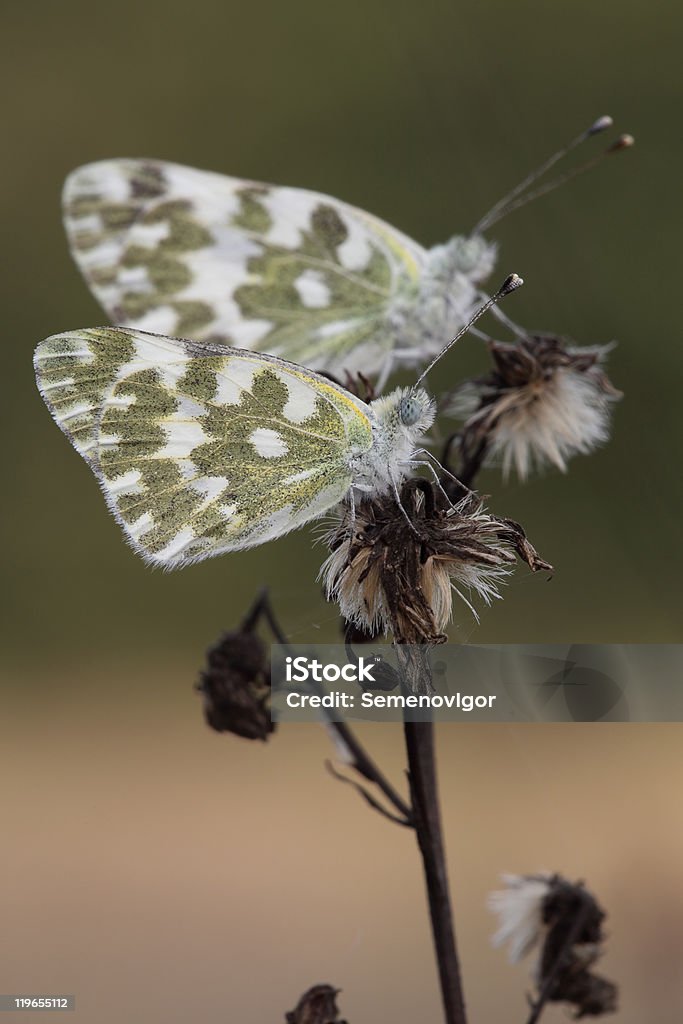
x,y
565,920
235,685
542,403
317,1006
389,577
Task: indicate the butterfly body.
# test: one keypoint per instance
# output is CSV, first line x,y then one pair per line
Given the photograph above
x,y
201,449
295,273
420,321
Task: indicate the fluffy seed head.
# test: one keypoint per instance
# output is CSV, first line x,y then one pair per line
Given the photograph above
x,y
519,908
541,404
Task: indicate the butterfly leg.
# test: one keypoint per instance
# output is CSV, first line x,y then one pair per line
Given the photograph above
x,y
407,518
415,463
352,504
446,472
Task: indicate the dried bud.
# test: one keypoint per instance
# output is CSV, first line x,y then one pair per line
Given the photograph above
x,y
565,920
317,1006
390,578
541,404
235,686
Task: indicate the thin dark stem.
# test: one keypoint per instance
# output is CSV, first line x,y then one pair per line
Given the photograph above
x,y
473,463
544,994
369,798
263,607
419,737
470,462
362,762
422,765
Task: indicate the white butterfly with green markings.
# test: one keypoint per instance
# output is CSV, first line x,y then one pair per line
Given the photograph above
x,y
297,274
202,449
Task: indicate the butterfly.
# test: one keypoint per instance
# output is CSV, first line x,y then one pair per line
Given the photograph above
x,y
300,275
201,449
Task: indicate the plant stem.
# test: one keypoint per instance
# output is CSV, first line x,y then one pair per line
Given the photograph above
x,y
363,763
419,737
544,994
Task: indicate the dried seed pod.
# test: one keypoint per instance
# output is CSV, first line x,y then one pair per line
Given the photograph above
x,y
317,1006
543,402
235,686
389,575
564,921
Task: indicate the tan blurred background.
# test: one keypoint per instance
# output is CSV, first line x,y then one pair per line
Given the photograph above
x,y
163,873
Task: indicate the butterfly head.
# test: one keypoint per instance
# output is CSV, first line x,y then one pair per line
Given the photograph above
x,y
406,412
415,407
399,421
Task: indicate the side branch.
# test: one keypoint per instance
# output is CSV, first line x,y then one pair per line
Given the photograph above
x,y
361,760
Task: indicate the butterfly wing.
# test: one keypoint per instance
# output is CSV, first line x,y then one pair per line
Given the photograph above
x,y
189,253
200,449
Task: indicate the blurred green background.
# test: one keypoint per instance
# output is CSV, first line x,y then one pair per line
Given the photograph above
x,y
424,114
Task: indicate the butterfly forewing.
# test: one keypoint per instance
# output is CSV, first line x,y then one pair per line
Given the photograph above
x,y
200,449
178,251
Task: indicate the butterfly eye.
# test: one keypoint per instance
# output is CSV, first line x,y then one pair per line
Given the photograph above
x,y
409,410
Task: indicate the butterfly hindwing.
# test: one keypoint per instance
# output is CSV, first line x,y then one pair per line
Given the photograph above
x,y
184,252
200,449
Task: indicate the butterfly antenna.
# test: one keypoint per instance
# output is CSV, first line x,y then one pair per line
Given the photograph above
x,y
514,198
510,284
623,142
